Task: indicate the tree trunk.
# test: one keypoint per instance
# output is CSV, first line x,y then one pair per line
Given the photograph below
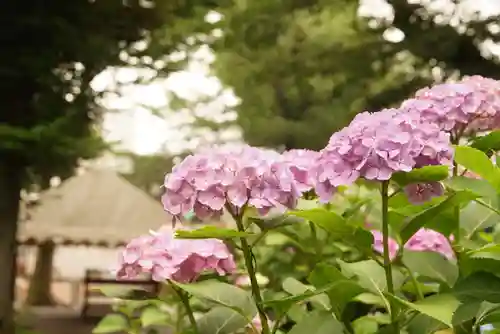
x,y
39,292
10,188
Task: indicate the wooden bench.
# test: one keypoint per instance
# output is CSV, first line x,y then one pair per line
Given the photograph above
x,y
92,296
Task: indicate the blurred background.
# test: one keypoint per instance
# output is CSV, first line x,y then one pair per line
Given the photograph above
x,y
102,97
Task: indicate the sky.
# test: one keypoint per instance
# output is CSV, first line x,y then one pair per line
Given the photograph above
x,y
131,120
139,130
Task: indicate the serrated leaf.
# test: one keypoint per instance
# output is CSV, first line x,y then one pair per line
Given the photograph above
x,y
488,143
212,232
439,307
475,217
491,251
153,316
317,322
432,265
371,276
432,214
221,320
111,323
480,286
222,294
296,288
340,294
333,223
479,163
480,187
365,325
424,174
337,227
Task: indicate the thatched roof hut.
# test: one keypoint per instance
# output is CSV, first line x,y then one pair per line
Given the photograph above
x,y
98,208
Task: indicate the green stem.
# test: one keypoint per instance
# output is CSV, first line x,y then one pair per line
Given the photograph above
x,y
456,209
184,298
248,256
418,290
387,260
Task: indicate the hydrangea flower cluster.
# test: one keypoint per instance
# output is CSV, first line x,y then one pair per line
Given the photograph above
x,y
376,145
430,240
423,240
419,193
472,104
164,257
378,244
300,163
208,182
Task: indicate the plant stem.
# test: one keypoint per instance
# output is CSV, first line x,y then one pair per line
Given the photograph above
x,y
248,256
456,209
418,290
387,260
184,298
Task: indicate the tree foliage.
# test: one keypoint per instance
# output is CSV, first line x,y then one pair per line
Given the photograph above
x,y
51,52
303,68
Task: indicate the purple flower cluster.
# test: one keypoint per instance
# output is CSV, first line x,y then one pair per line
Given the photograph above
x,y
472,104
164,257
424,240
376,145
419,193
300,163
209,182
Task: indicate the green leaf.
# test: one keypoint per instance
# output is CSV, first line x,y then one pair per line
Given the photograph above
x,y
480,187
208,232
318,322
371,276
432,265
424,174
489,313
111,323
491,251
328,220
480,286
337,227
465,313
153,316
296,288
475,217
125,292
297,312
432,214
222,294
488,143
286,302
479,163
365,325
340,294
424,324
439,307
221,320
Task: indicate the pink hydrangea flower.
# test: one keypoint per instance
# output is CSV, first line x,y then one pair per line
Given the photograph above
x,y
470,104
374,146
208,182
430,240
300,162
164,257
378,245
419,193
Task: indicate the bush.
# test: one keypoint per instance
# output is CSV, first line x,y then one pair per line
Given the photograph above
x,y
389,229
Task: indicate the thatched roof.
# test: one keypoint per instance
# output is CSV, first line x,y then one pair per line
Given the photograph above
x,y
98,207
